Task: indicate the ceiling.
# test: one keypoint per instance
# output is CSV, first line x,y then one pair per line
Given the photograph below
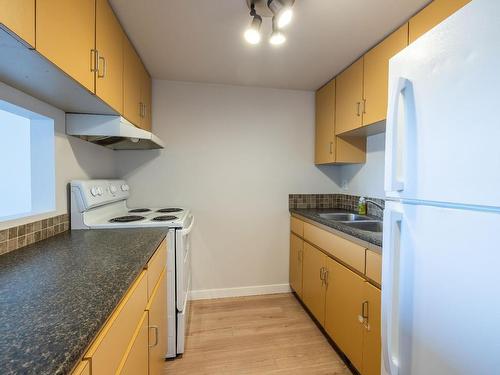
x,y
202,40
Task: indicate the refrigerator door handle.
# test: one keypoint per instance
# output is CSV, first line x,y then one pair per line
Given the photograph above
x,y
393,182
390,291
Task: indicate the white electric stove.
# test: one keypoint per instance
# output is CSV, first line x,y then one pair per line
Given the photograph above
x,y
102,204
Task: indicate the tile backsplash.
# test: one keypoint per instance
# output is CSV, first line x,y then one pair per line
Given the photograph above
x,y
26,234
340,201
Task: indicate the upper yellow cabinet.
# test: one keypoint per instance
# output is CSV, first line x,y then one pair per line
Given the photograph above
x,y
432,15
65,35
109,50
19,17
132,78
376,75
349,98
146,114
325,124
329,148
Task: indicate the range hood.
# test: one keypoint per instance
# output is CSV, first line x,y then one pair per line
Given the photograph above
x,y
114,132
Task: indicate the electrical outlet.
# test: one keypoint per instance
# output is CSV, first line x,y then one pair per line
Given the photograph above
x,y
345,185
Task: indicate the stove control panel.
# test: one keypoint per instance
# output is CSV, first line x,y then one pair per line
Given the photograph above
x,y
88,194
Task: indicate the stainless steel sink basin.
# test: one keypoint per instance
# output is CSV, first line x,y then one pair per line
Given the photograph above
x,y
370,226
339,216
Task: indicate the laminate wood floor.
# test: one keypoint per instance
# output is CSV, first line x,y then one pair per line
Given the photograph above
x,y
269,334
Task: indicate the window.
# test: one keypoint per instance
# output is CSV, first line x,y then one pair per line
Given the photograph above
x,y
27,175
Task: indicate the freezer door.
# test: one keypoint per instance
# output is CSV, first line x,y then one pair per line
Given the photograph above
x,y
443,126
440,281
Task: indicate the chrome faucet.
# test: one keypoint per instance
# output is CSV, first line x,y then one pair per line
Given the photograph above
x,y
374,203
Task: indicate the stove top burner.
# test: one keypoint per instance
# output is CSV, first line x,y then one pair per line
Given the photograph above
x,y
126,219
164,218
139,210
169,210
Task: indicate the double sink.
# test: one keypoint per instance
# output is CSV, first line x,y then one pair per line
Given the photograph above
x,y
355,221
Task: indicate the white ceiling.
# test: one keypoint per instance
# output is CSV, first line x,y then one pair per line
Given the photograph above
x,y
202,40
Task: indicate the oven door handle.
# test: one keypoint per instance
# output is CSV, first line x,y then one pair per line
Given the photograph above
x,y
186,231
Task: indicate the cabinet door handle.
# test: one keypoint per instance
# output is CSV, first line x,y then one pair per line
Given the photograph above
x,y
364,310
364,106
103,59
358,109
155,328
321,273
144,106
140,109
94,55
325,275
331,148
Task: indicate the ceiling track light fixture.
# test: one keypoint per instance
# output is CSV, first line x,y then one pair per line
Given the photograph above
x,y
252,33
280,11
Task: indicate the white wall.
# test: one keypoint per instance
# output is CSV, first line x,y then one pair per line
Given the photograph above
x,y
73,158
367,179
233,155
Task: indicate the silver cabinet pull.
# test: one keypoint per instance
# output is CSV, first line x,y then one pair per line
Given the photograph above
x,y
331,148
326,274
144,110
103,59
140,109
156,336
94,54
321,271
358,110
364,105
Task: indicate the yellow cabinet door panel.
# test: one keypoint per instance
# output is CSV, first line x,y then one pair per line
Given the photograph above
x,y
82,369
349,98
109,39
372,345
376,75
157,308
19,17
135,360
374,266
156,266
146,120
132,81
325,124
313,287
65,35
297,226
296,251
344,299
107,350
432,15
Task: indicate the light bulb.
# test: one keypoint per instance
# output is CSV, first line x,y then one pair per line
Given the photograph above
x,y
252,36
285,17
277,38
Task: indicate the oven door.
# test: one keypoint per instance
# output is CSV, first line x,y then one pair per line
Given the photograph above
x,y
183,264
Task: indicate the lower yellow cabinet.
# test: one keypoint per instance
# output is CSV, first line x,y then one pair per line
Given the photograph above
x,y
313,284
371,333
344,300
296,254
135,361
157,307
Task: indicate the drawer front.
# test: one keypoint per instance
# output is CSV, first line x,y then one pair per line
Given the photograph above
x,y
297,226
108,349
135,361
374,266
82,369
156,265
342,249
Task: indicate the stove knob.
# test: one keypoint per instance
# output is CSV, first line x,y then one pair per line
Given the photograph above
x,y
100,191
125,187
93,191
113,189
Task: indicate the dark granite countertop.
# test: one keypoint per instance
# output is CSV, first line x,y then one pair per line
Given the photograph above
x,y
55,295
313,214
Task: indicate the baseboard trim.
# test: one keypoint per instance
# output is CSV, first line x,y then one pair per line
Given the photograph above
x,y
239,292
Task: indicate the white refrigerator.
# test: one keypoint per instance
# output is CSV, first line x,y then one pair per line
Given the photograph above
x,y
441,241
